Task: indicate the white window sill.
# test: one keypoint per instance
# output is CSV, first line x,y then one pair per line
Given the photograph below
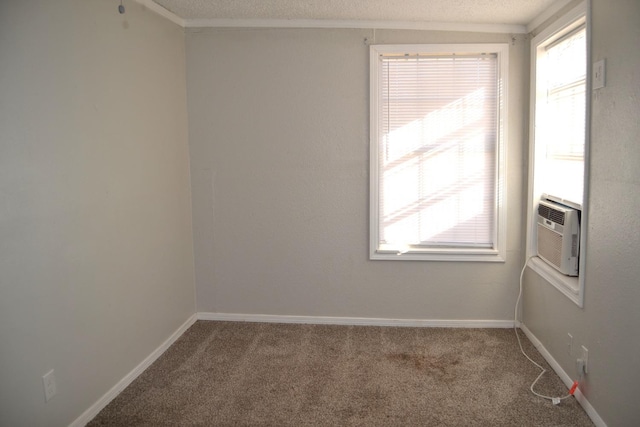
x,y
569,286
487,255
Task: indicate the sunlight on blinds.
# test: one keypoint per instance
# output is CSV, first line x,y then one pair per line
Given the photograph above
x,y
438,150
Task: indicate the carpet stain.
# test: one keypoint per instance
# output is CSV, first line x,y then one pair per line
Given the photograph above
x,y
440,366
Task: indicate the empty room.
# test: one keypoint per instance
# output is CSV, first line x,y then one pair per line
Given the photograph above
x,y
321,213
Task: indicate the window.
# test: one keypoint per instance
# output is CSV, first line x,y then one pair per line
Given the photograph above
x,y
559,135
438,117
560,114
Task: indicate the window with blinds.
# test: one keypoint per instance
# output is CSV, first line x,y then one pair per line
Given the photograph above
x,y
437,117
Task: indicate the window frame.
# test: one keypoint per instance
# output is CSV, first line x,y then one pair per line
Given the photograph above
x,y
497,253
571,287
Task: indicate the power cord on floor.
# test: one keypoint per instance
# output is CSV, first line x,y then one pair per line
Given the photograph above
x,y
554,400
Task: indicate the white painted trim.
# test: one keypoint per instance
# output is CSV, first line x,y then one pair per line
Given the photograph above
x,y
571,287
155,7
546,14
94,409
558,27
359,24
378,251
567,285
355,321
566,379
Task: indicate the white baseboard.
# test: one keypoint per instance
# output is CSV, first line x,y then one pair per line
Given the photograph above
x,y
90,413
582,400
357,321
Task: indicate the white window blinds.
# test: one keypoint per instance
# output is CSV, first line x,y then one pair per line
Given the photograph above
x,y
438,149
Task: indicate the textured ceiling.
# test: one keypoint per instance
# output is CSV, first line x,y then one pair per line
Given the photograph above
x,y
519,12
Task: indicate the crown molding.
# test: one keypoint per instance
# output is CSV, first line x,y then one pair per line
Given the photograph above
x,y
354,24
344,24
165,13
555,7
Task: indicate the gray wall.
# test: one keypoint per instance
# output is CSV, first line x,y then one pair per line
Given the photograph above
x,y
278,125
96,261
609,323
96,258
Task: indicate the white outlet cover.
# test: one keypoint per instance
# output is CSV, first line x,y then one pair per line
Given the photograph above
x,y
49,382
585,358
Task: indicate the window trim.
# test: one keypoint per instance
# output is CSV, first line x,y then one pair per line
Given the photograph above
x,y
498,252
571,287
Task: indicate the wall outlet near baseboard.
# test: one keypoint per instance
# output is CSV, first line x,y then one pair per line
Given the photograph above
x,y
585,359
49,382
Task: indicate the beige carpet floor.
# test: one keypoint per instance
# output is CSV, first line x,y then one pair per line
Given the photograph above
x,y
258,374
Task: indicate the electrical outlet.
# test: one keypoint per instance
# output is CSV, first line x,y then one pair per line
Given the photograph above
x,y
569,344
49,382
585,359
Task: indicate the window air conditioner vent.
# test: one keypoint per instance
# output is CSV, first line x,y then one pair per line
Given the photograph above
x,y
551,214
559,236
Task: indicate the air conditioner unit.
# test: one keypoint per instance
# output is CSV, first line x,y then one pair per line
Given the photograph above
x,y
559,236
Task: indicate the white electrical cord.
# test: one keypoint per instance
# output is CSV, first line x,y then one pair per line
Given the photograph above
x,y
555,400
